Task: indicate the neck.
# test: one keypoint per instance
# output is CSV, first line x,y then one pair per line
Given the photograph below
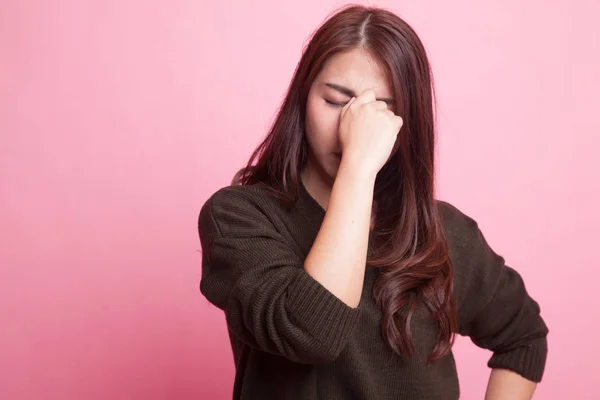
x,y
318,188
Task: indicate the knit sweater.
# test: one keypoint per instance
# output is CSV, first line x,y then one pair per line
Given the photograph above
x,y
293,339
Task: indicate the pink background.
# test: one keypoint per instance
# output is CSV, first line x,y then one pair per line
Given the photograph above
x,y
119,118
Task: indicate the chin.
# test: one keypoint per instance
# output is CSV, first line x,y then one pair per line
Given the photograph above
x,y
331,170
326,168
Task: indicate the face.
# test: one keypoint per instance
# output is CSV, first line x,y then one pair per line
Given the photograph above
x,y
344,75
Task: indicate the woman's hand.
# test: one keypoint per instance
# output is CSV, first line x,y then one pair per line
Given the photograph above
x,y
368,132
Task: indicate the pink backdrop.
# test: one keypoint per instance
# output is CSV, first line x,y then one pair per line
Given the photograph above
x,y
119,118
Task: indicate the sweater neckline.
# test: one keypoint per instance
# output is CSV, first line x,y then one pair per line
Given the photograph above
x,y
308,205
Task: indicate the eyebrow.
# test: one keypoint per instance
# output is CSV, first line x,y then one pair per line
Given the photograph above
x,y
350,92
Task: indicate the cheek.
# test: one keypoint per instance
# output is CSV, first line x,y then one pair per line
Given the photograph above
x,y
322,124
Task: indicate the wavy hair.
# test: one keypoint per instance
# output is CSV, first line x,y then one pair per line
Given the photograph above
x,y
407,241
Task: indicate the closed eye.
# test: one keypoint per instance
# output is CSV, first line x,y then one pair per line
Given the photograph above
x,y
335,104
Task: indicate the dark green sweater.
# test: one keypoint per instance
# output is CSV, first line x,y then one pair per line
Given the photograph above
x,y
293,339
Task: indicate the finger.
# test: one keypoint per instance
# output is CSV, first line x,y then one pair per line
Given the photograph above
x,y
347,106
399,121
380,105
367,96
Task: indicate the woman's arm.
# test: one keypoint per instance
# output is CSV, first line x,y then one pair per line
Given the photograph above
x,y
494,307
508,385
254,273
337,258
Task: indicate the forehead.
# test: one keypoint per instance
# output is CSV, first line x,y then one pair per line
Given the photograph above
x,y
356,70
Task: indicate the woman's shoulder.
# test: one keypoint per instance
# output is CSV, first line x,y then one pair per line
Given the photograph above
x,y
455,222
472,256
462,232
239,195
234,207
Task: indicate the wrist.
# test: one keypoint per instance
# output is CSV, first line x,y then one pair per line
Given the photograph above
x,y
356,171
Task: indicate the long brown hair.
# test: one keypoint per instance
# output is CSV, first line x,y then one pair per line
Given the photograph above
x,y
407,240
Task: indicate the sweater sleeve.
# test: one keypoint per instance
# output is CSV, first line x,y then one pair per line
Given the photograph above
x,y
494,308
251,272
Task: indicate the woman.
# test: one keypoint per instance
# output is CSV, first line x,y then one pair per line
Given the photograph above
x,y
340,275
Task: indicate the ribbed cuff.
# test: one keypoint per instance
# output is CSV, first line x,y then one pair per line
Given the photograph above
x,y
528,361
321,313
